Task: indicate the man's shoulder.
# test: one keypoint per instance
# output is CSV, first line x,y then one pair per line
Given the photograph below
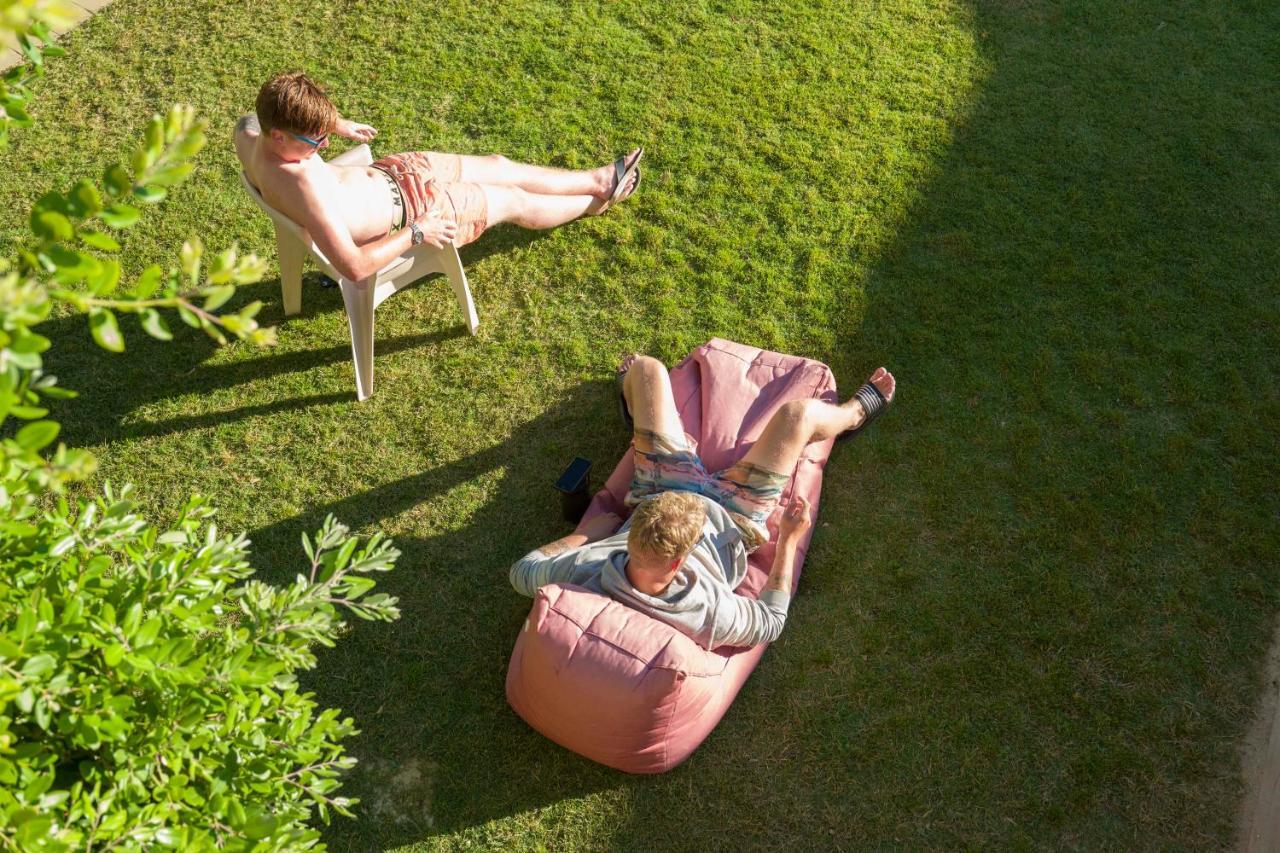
x,y
248,125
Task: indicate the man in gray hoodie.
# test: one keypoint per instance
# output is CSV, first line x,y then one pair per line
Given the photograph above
x,y
683,552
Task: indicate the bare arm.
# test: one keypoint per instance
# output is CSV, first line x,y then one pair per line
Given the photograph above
x,y
332,237
795,521
353,130
246,134
762,620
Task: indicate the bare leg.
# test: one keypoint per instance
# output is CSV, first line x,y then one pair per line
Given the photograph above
x,y
529,210
799,422
647,389
541,180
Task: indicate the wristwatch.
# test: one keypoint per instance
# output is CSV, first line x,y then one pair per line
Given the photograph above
x,y
418,236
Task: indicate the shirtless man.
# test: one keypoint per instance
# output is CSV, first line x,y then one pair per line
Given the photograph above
x,y
364,217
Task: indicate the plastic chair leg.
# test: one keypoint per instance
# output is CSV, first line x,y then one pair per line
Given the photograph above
x,y
359,302
458,278
292,253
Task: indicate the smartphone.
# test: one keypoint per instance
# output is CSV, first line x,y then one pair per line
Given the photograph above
x,y
575,476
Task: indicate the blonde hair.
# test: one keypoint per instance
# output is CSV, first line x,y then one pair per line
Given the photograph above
x,y
295,103
667,525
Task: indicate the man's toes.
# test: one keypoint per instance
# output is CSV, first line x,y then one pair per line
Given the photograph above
x,y
884,382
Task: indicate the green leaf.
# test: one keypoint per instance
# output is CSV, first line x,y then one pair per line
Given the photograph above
x,y
170,176
71,266
223,266
147,283
99,240
63,545
51,225
154,134
86,196
117,180
102,324
189,258
28,413
120,215
216,297
259,826
30,343
154,325
188,316
38,666
190,145
213,332
113,654
37,435
107,277
149,194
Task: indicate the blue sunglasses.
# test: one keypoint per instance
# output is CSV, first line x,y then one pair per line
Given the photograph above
x,y
316,143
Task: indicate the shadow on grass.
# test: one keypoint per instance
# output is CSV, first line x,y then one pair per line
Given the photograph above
x,y
1037,620
155,371
440,750
1063,542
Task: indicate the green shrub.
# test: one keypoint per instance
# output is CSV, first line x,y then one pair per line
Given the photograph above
x,y
148,693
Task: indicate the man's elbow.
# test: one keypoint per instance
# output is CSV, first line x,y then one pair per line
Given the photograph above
x,y
356,269
772,629
518,575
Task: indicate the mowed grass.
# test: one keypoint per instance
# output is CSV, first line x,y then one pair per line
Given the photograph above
x,y
1041,587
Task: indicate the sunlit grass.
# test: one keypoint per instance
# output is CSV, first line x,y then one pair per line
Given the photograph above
x,y
1040,587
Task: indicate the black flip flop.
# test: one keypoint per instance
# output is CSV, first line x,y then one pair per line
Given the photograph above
x,y
873,404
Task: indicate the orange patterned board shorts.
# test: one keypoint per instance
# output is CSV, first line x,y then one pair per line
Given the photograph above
x,y
462,202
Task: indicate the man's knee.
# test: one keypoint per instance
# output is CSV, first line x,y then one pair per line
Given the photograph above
x,y
646,366
497,159
506,204
796,416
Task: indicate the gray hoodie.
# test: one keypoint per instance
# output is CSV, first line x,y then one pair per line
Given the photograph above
x,y
700,601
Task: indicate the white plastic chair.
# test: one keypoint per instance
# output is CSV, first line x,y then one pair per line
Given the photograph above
x,y
361,297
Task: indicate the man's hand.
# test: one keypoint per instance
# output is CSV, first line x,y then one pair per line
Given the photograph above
x,y
601,527
416,190
437,230
354,131
796,519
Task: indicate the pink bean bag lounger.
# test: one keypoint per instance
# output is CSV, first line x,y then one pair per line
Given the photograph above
x,y
614,684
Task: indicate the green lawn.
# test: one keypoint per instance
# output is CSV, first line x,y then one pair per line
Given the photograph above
x,y
1040,590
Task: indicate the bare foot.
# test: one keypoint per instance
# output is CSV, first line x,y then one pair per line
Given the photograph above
x,y
624,407
626,363
607,176
884,382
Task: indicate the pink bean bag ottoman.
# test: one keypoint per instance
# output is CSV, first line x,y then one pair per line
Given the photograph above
x,y
614,684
